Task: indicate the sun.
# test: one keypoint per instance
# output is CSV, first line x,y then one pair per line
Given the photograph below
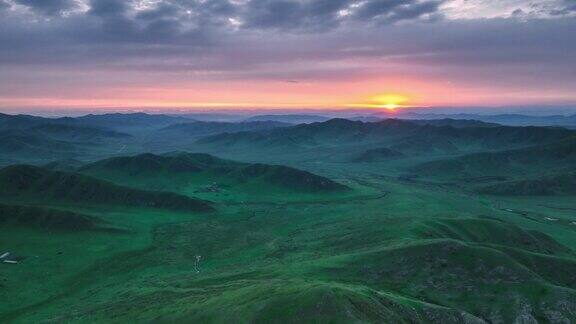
x,y
390,106
389,101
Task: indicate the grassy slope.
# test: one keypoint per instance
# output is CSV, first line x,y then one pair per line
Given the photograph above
x,y
559,155
207,176
30,183
563,184
418,252
405,257
45,218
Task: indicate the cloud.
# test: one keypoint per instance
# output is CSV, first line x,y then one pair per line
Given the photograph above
x,y
568,8
108,8
48,7
4,5
294,15
322,15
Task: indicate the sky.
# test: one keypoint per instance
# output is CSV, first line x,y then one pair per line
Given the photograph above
x,y
64,54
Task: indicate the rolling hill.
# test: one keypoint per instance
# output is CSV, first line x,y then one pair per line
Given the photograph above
x,y
342,132
290,119
378,155
189,173
76,133
456,123
198,129
546,159
20,121
118,239
119,121
37,184
507,119
18,144
46,218
557,185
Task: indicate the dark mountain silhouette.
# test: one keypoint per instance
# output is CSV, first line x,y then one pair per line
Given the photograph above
x,y
20,121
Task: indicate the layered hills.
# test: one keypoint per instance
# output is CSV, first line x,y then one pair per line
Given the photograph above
x,y
342,132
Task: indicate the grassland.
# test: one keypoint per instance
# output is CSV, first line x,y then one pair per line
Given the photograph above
x,y
394,247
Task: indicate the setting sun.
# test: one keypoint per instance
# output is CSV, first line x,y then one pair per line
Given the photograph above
x,y
391,106
389,101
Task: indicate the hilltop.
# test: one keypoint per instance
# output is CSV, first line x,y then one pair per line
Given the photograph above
x,y
188,172
38,184
533,160
46,218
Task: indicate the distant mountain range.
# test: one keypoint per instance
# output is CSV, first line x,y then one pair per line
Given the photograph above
x,y
198,129
504,119
291,119
111,121
400,135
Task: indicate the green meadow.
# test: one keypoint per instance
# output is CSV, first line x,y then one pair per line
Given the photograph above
x,y
296,231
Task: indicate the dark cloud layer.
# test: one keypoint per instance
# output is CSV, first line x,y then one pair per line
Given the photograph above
x,y
48,7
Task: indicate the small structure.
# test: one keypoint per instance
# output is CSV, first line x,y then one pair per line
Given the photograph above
x,y
197,263
8,257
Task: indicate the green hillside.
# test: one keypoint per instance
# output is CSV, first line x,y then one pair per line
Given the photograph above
x,y
563,184
202,173
379,154
38,184
46,218
549,158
